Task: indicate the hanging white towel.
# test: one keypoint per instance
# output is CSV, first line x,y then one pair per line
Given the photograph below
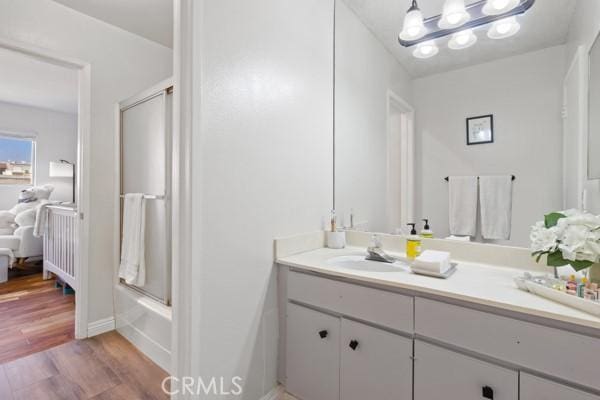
x,y
133,264
463,205
495,197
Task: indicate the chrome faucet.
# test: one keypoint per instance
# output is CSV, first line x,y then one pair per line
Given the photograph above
x,y
375,251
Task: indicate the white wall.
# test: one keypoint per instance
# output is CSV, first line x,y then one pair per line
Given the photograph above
x,y
584,28
56,139
524,93
121,65
365,72
262,168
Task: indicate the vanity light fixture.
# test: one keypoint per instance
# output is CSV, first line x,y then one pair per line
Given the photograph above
x,y
462,40
455,14
497,7
413,28
458,21
504,28
426,49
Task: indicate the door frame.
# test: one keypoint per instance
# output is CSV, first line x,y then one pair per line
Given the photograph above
x,y
82,191
407,197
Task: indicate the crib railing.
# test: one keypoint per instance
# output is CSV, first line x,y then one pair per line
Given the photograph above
x,y
60,241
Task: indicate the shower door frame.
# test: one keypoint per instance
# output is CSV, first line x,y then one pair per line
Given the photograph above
x,y
163,88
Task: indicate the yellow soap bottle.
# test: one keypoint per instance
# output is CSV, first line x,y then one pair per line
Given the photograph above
x,y
413,243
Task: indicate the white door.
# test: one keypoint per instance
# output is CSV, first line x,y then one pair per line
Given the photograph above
x,y
573,134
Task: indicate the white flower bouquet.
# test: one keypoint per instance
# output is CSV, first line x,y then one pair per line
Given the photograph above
x,y
568,237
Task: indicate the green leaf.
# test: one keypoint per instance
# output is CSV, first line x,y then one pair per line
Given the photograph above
x,y
555,259
551,219
580,264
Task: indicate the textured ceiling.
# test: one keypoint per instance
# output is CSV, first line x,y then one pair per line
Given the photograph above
x,y
545,24
152,19
28,81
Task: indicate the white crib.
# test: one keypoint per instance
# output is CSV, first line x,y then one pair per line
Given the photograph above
x,y
60,241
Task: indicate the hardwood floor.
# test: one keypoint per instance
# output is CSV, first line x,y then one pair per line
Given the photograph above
x,y
34,315
105,367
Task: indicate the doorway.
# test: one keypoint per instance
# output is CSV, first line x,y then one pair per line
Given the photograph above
x,y
400,163
59,163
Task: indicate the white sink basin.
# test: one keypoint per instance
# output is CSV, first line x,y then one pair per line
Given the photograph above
x,y
359,263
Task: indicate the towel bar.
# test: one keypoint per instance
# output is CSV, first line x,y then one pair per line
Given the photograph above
x,y
512,178
150,196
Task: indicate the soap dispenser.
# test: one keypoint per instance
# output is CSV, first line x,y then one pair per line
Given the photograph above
x,y
413,243
426,232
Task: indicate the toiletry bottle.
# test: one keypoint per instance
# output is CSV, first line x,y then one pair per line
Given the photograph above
x,y
426,232
413,243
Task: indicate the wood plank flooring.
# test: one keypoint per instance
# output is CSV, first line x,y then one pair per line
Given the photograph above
x,y
34,315
105,367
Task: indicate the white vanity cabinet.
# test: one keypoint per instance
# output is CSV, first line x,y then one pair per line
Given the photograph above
x,y
535,388
350,341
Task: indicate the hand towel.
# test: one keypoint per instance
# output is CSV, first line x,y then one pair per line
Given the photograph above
x,y
133,263
463,205
433,261
41,218
495,198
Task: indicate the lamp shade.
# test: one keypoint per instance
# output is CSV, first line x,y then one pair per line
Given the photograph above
x,y
60,170
413,27
497,7
454,15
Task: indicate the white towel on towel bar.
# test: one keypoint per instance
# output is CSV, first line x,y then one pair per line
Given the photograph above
x,y
495,197
133,263
463,205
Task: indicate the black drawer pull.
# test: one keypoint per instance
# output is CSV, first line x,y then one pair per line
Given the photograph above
x,y
487,392
353,344
323,334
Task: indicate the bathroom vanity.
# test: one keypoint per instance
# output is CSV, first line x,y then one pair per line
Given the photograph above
x,y
356,330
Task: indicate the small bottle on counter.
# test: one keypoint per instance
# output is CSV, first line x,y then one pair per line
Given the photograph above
x,y
426,232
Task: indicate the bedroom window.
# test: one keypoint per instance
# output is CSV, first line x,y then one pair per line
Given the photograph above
x,y
17,160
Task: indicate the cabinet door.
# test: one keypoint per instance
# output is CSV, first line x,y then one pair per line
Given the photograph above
x,y
313,354
444,374
534,388
375,364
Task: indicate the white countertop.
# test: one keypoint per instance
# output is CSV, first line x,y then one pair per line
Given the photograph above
x,y
475,283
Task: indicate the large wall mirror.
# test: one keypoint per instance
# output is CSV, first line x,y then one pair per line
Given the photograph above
x,y
594,111
493,111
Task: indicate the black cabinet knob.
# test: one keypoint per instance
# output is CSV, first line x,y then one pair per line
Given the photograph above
x,y
323,334
487,392
353,344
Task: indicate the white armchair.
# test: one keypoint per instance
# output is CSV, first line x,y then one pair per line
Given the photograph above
x,y
18,236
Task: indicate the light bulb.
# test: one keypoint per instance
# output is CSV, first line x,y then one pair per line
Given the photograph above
x,y
504,28
413,27
462,40
426,49
453,15
497,7
499,4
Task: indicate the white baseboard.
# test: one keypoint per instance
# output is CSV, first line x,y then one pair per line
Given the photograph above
x,y
277,393
101,326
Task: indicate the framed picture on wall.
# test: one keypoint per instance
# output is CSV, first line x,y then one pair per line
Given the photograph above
x,y
480,129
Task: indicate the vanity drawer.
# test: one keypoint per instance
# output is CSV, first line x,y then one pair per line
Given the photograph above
x,y
566,355
444,374
380,307
534,388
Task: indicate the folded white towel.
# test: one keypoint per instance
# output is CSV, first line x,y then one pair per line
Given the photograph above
x,y
463,205
459,238
133,263
433,261
495,197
